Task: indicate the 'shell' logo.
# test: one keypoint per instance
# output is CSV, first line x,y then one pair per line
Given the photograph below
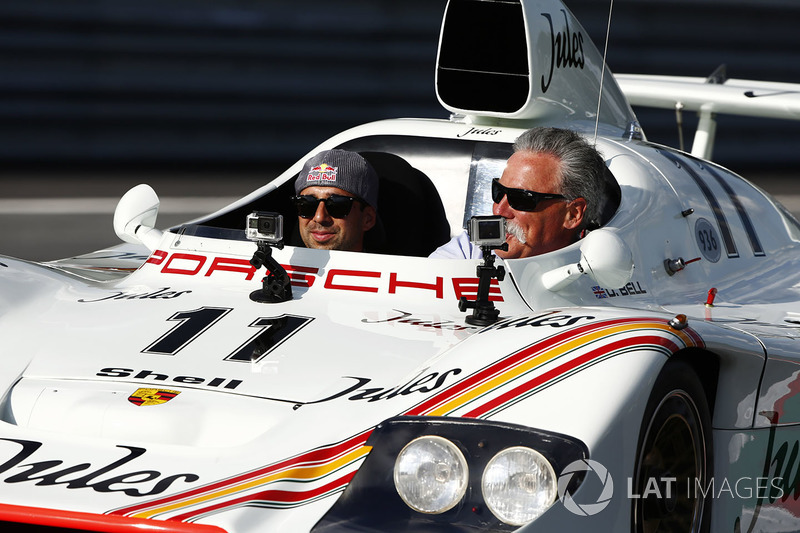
x,y
143,397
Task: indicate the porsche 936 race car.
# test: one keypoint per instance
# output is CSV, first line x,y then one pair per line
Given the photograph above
x,y
644,378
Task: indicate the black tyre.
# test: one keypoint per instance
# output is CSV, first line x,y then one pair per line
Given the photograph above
x,y
674,464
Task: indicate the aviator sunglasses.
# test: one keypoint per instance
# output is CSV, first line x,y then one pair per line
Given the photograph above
x,y
336,205
520,199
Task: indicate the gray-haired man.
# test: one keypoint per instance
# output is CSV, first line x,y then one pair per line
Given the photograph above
x,y
550,190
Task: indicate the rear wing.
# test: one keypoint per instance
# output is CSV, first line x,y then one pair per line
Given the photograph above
x,y
708,97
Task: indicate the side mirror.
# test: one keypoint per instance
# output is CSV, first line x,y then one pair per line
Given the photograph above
x,y
135,217
604,256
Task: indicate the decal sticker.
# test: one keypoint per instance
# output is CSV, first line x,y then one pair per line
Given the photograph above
x,y
163,293
468,288
353,280
566,49
632,288
479,131
157,257
599,292
327,470
480,395
344,273
272,333
98,478
787,469
517,376
146,397
424,384
438,286
747,224
713,202
113,372
297,481
190,325
707,240
550,319
406,318
779,478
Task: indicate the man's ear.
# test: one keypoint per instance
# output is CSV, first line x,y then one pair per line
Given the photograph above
x,y
369,218
576,209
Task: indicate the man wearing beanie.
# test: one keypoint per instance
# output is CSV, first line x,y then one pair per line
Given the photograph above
x,y
337,198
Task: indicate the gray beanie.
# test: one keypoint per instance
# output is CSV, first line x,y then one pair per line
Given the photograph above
x,y
342,169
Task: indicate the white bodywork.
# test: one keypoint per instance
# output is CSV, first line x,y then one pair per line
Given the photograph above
x,y
167,394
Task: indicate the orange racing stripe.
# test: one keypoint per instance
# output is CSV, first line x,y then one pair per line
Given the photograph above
x,y
316,464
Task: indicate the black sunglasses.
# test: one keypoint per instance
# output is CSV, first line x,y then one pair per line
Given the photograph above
x,y
520,199
336,205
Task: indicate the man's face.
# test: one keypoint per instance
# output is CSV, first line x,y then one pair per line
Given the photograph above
x,y
324,232
553,224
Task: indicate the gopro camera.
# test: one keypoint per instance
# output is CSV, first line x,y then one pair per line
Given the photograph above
x,y
265,226
487,231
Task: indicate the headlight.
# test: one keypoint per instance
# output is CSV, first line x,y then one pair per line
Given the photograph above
x,y
518,484
430,475
459,475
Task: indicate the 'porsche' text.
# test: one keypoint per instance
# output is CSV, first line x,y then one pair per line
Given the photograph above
x,y
339,279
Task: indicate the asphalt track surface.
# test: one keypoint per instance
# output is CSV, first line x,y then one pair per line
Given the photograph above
x,y
46,217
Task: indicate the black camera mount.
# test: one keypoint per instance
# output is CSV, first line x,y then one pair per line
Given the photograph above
x,y
276,286
484,312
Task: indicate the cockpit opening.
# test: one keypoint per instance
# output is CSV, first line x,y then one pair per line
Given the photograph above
x,y
423,201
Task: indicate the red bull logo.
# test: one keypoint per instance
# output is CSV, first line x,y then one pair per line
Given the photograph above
x,y
322,173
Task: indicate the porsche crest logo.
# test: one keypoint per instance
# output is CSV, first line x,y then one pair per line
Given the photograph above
x,y
143,397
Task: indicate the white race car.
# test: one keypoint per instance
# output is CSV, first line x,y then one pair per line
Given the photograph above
x,y
644,378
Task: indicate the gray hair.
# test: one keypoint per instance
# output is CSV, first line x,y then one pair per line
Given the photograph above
x,y
582,166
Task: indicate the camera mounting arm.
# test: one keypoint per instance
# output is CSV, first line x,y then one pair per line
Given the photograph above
x,y
488,233
484,312
266,229
276,286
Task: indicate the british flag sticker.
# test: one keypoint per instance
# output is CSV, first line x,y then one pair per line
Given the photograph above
x,y
599,292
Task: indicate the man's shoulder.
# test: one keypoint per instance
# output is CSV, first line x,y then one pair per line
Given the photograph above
x,y
458,247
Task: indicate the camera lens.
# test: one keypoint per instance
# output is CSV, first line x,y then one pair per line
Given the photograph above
x,y
489,230
266,225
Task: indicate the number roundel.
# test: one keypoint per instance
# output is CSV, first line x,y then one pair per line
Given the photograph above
x,y
707,240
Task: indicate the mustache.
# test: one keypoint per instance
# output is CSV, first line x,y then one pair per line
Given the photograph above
x,y
515,231
314,226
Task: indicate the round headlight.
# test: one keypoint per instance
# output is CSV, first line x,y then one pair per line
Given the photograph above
x,y
430,475
519,484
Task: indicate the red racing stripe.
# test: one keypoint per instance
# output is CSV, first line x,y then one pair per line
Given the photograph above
x,y
566,367
317,456
279,498
513,360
